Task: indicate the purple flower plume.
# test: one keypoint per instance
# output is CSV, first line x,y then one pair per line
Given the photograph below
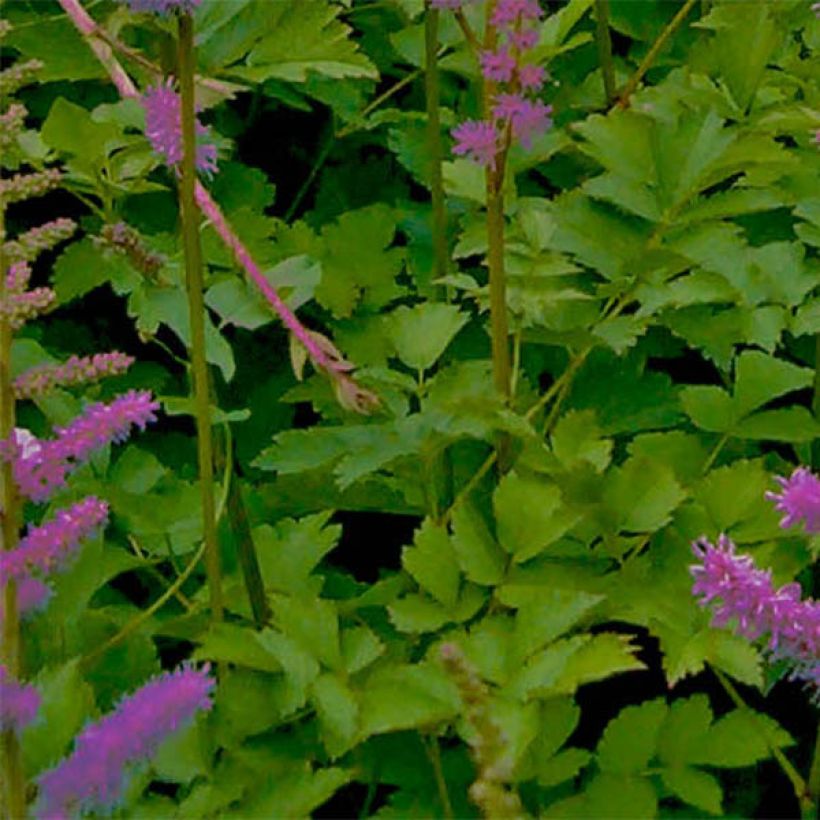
x,y
799,499
46,465
746,595
18,703
477,139
91,778
163,127
163,6
51,545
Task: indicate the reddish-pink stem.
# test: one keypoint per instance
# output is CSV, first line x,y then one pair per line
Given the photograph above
x,y
327,360
240,252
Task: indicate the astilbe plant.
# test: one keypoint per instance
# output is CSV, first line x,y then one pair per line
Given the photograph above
x,y
93,776
745,595
36,469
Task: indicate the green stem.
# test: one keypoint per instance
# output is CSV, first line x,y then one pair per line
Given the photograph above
x,y
801,791
434,146
13,791
243,538
653,52
498,282
434,753
605,48
196,310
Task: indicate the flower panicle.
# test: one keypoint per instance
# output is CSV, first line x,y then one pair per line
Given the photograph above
x,y
45,469
92,777
49,546
515,112
742,593
163,127
28,246
799,500
75,370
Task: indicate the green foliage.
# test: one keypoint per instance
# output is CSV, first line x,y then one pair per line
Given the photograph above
x,y
662,282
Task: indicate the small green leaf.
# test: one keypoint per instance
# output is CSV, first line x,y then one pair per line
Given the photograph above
x,y
694,787
630,740
432,562
642,495
742,738
710,408
338,713
760,379
530,515
421,333
407,697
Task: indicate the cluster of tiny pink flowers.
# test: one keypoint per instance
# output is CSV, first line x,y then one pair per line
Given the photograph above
x,y
76,370
163,6
799,499
32,243
26,186
48,546
18,702
45,469
91,778
747,596
163,127
11,123
514,107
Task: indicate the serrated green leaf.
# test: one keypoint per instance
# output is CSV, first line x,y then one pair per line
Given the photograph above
x,y
694,787
480,557
642,495
710,408
302,39
684,730
630,740
742,738
421,333
403,696
432,562
760,379
530,515
338,713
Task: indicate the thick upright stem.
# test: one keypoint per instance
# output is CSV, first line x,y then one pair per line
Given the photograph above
x,y
605,48
196,310
434,147
14,794
498,283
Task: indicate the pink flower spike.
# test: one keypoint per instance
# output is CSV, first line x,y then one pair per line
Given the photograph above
x,y
18,703
76,370
41,473
747,596
476,139
163,127
508,13
531,77
49,546
523,39
498,66
528,119
91,779
799,500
